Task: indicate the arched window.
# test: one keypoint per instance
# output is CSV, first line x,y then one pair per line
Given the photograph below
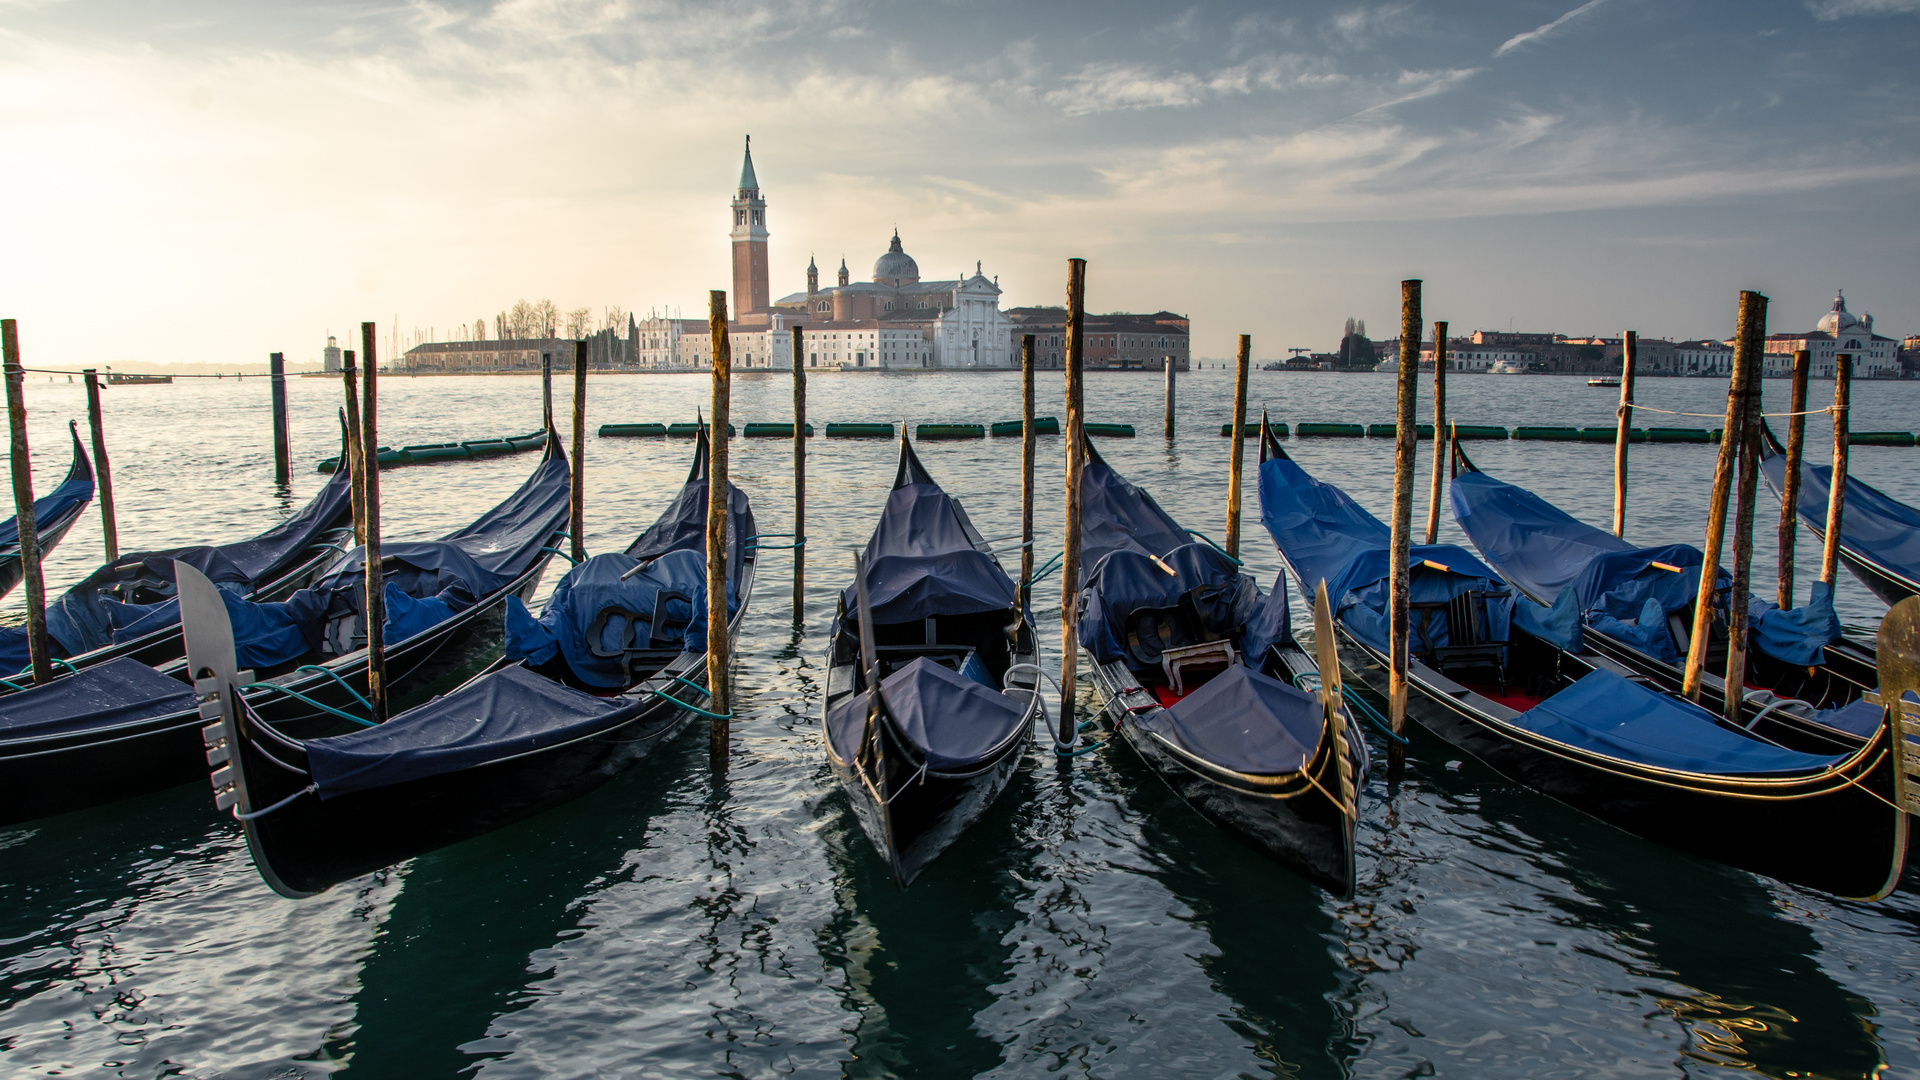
x,y
889,305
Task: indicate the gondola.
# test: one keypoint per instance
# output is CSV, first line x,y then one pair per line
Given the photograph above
x,y
1635,605
612,669
1206,682
110,614
1490,675
121,727
1879,535
932,696
53,514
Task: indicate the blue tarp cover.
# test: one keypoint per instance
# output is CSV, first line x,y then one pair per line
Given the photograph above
x,y
952,720
594,587
921,562
75,491
1244,721
1618,718
1117,516
103,696
1127,584
510,712
1871,522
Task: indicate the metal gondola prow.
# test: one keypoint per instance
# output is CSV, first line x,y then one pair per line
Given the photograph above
x,y
1898,654
216,682
1327,652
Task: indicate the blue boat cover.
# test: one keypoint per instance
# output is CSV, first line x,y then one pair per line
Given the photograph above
x,y
1244,721
107,695
1872,523
593,590
74,492
1133,605
1620,590
1326,536
1115,516
510,712
952,720
921,561
1618,718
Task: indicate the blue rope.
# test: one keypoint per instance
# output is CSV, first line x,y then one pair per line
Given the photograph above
x,y
800,542
1087,749
10,682
298,696
344,684
1046,569
686,705
1358,705
28,670
1214,546
562,554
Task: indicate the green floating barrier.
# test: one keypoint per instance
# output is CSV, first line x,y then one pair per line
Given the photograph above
x,y
1042,425
487,447
1881,438
688,431
387,456
950,431
1550,434
1251,431
1463,432
632,431
1679,434
1115,431
773,431
1339,431
446,452
1390,431
1610,434
533,440
859,431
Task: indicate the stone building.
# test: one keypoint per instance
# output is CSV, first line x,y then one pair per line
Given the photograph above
x,y
1838,331
1120,341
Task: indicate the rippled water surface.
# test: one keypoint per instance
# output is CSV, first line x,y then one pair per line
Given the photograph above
x,y
674,925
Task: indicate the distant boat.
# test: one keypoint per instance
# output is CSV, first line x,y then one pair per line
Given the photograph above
x,y
1603,382
135,380
1508,367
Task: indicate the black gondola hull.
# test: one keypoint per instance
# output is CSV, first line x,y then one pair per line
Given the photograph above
x,y
926,815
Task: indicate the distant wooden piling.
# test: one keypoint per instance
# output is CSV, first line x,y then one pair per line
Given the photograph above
x,y
1236,458
577,493
1629,354
1026,470
1748,338
1172,368
546,391
1441,433
376,605
16,376
799,471
282,452
1069,725
1790,479
719,649
1837,485
1406,443
1746,493
356,462
102,469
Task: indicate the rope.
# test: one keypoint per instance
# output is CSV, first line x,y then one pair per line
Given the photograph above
x,y
684,704
298,696
562,554
1214,546
911,780
344,684
308,790
51,660
104,375
12,684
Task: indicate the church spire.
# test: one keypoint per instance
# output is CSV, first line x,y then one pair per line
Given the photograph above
x,y
748,181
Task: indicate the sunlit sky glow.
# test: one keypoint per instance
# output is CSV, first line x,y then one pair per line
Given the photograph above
x,y
210,181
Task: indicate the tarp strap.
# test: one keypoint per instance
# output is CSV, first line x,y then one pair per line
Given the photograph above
x,y
344,684
300,697
308,790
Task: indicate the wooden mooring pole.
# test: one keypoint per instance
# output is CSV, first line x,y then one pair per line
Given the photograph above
x,y
1172,370
1629,353
1026,471
355,462
719,649
1790,478
577,495
1837,485
282,452
376,605
102,470
16,376
1406,444
1441,433
546,390
799,472
1236,458
1746,491
1076,461
1748,338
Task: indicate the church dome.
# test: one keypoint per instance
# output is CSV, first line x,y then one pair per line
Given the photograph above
x,y
896,267
1839,320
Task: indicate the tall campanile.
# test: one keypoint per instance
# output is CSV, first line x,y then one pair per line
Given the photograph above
x,y
750,290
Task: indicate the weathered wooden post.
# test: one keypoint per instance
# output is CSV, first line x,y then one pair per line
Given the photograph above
x,y
376,605
1746,491
719,649
1837,486
16,376
102,470
1629,354
1745,379
1026,471
355,462
1441,433
1236,457
577,512
1405,446
282,453
1076,461
546,390
799,471
1790,479
1172,368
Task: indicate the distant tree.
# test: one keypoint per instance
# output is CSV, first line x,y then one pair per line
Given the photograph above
x,y
520,320
616,319
546,318
579,323
480,329
500,327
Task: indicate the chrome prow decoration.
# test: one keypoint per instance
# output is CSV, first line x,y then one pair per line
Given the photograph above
x,y
216,682
1898,652
1327,652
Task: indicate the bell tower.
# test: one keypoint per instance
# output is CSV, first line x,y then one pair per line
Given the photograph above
x,y
750,290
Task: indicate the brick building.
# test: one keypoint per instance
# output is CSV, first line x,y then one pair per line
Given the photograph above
x,y
1117,342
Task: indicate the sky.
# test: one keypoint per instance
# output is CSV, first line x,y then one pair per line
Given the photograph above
x,y
209,181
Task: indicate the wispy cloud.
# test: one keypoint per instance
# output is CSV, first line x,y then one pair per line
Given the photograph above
x,y
1828,10
1545,29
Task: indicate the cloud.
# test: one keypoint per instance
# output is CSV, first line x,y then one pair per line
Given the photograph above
x,y
1828,10
1545,29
